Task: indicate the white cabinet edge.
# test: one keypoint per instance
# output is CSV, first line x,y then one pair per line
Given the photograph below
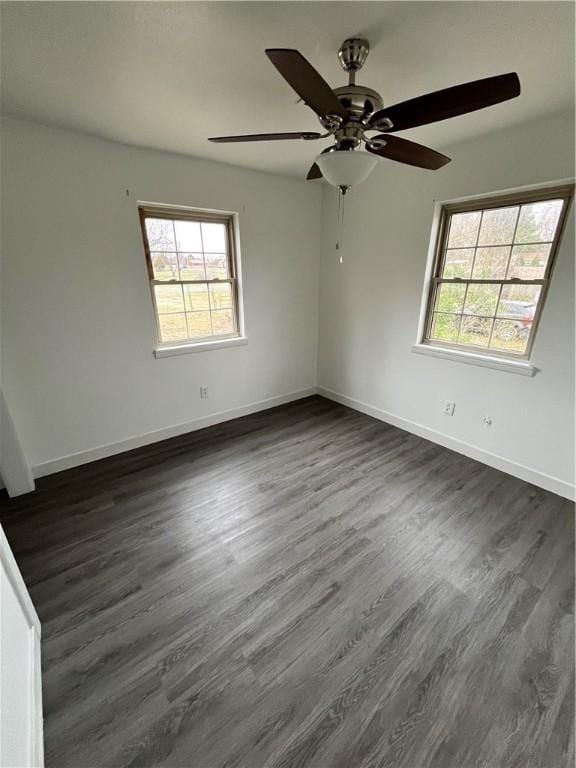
x,y
18,587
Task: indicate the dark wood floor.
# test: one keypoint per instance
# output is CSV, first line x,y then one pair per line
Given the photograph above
x,y
302,587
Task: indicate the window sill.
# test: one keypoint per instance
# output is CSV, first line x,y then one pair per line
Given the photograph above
x,y
202,346
522,367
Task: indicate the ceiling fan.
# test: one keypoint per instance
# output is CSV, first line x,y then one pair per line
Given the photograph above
x,y
351,112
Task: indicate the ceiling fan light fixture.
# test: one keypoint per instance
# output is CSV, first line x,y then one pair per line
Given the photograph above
x,y
346,168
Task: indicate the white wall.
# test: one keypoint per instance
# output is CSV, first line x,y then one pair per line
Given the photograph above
x,y
78,326
369,308
15,472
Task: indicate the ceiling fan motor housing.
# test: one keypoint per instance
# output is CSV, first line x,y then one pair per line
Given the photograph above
x,y
359,100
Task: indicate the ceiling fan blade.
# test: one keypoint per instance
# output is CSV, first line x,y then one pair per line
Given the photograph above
x,y
266,137
308,84
450,102
314,173
404,151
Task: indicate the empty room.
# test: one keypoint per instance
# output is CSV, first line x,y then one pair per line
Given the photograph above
x,y
287,367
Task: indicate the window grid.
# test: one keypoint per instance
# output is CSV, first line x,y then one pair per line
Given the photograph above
x,y
181,307
499,323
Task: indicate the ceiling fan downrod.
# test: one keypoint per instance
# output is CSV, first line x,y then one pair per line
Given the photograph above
x,y
353,54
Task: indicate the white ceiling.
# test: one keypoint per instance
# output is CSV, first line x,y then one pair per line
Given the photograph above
x,y
168,75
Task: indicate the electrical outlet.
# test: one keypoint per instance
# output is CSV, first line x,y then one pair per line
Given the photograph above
x,y
487,421
449,409
204,393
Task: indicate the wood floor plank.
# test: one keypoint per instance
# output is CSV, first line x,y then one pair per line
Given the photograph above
x,y
303,587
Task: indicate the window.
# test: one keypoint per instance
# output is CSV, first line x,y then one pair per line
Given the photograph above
x,y
493,264
193,274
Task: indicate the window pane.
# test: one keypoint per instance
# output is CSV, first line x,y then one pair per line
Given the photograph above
x,y
165,266
194,291
191,266
464,229
160,234
511,335
196,298
172,327
482,300
445,327
493,272
199,324
458,262
169,298
498,226
216,266
475,330
450,298
222,321
188,235
214,237
491,263
221,296
529,262
538,222
518,302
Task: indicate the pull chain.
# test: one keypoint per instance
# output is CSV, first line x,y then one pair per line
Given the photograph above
x,y
340,223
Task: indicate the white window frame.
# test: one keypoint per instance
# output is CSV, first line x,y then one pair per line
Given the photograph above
x,y
499,359
230,220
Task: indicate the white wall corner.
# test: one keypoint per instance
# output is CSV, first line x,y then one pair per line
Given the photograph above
x,y
15,470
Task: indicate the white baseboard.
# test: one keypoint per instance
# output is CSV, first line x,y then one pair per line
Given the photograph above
x,y
102,451
530,475
541,479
